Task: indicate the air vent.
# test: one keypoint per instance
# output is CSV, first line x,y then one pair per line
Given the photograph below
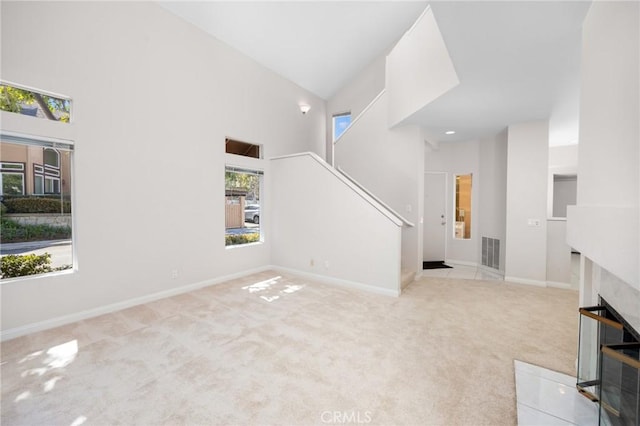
x,y
491,252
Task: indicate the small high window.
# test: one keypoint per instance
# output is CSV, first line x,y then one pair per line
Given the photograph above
x,y
36,104
340,123
242,148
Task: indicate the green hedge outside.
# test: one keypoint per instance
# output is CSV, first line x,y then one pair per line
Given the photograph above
x,y
13,265
36,205
13,232
231,240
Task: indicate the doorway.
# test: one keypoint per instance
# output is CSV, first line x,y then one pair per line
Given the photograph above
x,y
435,217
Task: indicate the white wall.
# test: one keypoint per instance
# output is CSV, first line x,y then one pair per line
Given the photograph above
x,y
527,172
604,226
609,106
321,226
419,70
459,158
154,98
558,255
389,164
355,96
492,194
564,118
565,157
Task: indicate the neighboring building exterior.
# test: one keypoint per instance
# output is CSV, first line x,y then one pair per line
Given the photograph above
x,y
34,170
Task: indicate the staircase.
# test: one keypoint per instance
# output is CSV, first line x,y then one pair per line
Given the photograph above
x,y
355,240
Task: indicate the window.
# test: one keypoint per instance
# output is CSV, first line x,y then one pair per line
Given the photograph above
x,y
38,183
242,148
243,216
36,104
340,123
12,176
46,177
51,158
51,171
462,218
36,188
51,185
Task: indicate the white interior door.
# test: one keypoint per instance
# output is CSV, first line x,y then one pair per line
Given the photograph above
x,y
435,216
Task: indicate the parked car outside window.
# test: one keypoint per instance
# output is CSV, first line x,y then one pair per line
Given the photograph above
x,y
252,213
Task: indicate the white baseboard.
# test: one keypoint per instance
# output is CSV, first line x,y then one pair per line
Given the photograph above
x,y
461,262
557,284
527,281
338,282
538,283
101,310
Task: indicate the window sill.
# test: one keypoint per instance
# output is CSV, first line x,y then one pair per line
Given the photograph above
x,y
37,276
235,246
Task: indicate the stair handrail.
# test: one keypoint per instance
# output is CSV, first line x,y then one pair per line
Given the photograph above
x,y
365,195
404,220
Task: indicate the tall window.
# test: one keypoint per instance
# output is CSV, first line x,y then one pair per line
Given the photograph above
x,y
51,171
243,213
46,177
36,189
340,124
462,218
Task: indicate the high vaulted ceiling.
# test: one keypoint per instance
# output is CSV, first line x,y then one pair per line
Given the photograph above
x,y
516,60
319,45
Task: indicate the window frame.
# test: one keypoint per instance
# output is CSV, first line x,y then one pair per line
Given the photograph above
x,y
251,170
5,169
67,145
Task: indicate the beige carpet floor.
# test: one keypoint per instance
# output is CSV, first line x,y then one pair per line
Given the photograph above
x,y
275,349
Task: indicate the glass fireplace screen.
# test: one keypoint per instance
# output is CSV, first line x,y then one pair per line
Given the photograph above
x,y
609,365
597,325
619,393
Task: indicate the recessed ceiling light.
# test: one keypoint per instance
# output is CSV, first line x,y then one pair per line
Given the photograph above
x,y
450,132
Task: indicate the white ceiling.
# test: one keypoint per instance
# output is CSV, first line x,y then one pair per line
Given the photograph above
x,y
516,60
319,45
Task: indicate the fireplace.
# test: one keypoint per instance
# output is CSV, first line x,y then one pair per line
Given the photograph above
x,y
609,364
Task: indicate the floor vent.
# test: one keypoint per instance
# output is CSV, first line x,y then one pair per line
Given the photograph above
x,y
491,252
